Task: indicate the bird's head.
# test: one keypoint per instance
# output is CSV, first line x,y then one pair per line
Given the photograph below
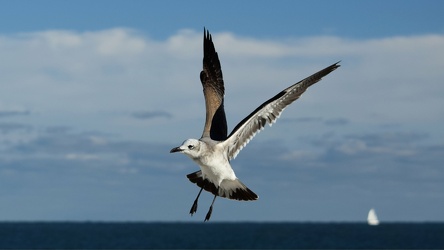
x,y
189,147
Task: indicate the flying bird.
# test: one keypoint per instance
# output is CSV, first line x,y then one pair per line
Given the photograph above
x,y
215,149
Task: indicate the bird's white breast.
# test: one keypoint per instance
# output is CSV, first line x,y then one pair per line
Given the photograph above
x,y
214,163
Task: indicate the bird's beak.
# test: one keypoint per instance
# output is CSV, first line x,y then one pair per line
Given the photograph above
x,y
176,149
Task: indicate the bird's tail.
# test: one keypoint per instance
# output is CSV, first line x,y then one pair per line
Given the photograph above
x,y
231,189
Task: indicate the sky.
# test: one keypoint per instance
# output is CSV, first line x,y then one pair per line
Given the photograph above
x,y
94,94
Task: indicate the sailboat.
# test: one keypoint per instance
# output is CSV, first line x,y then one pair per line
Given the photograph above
x,y
372,219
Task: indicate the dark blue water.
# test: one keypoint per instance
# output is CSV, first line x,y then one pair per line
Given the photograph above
x,y
220,235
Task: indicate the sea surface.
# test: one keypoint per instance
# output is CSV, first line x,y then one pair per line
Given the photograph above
x,y
210,235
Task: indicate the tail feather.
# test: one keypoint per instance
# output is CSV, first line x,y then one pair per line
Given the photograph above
x,y
197,178
231,189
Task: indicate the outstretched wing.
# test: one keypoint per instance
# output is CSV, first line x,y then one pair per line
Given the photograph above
x,y
269,111
213,88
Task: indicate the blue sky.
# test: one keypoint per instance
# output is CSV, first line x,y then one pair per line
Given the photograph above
x,y
94,94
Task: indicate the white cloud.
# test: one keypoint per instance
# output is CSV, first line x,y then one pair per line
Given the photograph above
x,y
96,140
297,155
119,42
81,156
355,146
88,79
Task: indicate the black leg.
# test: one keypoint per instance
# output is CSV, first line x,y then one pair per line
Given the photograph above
x,y
194,207
211,208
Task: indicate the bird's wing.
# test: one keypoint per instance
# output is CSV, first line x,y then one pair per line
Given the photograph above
x,y
213,88
269,111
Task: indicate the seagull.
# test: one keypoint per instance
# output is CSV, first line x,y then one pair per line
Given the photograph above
x,y
215,149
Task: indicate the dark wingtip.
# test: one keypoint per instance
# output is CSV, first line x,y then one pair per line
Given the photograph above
x,y
337,65
330,68
207,35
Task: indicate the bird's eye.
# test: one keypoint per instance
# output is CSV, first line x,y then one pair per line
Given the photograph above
x,y
190,146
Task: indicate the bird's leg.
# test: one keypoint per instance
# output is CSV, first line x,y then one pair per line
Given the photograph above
x,y
211,207
194,207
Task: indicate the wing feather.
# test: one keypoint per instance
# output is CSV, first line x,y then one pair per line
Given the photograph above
x,y
269,112
213,89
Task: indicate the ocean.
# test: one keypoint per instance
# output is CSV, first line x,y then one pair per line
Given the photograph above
x,y
211,235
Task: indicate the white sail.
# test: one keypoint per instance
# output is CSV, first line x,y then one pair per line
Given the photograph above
x,y
372,219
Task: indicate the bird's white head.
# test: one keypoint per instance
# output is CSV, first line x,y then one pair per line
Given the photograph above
x,y
190,147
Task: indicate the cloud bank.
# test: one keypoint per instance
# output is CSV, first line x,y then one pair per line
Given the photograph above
x,y
89,118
